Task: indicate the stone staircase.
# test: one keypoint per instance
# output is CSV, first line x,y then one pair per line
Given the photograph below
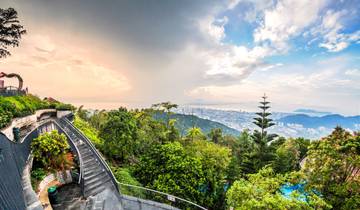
x,y
97,184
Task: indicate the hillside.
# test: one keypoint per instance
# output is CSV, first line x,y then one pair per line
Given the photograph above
x,y
184,122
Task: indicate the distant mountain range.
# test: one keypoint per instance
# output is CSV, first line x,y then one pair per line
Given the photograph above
x,y
327,121
312,112
312,125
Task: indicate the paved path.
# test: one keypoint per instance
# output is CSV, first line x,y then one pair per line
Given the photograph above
x,y
99,186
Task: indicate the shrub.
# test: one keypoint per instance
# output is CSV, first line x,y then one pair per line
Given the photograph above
x,y
88,131
61,107
37,175
19,106
50,150
123,175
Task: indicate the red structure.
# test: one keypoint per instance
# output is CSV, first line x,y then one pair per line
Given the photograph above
x,y
8,90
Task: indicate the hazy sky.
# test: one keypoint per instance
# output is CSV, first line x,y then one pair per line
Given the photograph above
x,y
302,53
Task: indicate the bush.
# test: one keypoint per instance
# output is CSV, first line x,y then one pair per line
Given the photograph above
x,y
88,131
64,107
36,176
49,149
123,175
19,106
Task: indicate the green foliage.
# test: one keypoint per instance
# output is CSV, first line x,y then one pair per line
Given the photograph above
x,y
261,191
64,107
119,133
169,169
287,157
11,30
242,149
123,175
37,175
333,166
214,160
150,131
264,153
88,131
195,133
50,150
20,106
216,135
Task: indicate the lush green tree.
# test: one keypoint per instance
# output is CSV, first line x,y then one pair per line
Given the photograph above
x,y
303,146
215,160
150,131
287,157
168,168
195,133
333,166
264,153
243,150
98,118
119,133
83,113
172,132
50,149
10,30
261,191
165,107
216,135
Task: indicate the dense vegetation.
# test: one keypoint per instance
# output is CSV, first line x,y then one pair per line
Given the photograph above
x,y
221,171
49,149
20,106
50,154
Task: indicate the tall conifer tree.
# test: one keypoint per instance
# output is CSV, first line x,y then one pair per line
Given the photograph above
x,y
264,154
262,121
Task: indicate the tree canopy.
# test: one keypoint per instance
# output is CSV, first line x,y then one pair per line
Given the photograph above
x,y
11,30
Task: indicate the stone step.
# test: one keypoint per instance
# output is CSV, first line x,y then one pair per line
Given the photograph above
x,y
87,154
90,176
93,170
91,166
88,160
100,178
94,189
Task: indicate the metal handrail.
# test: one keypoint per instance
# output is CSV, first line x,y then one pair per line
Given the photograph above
x,y
162,193
80,181
98,155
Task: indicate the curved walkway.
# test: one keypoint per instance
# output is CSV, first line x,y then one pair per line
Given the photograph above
x,y
96,180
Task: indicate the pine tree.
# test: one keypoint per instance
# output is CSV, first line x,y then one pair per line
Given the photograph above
x,y
263,121
264,154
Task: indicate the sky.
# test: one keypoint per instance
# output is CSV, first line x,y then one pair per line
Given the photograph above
x,y
221,54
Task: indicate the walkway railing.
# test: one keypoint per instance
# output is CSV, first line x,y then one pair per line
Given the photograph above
x,y
73,145
154,195
92,147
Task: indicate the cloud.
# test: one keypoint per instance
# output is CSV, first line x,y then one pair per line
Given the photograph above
x,y
286,20
213,28
330,30
353,72
234,63
64,70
